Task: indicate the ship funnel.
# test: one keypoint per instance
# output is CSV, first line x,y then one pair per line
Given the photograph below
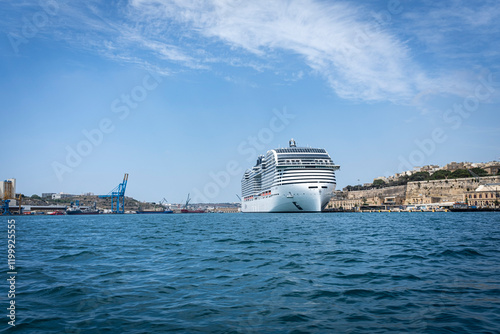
x,y
292,143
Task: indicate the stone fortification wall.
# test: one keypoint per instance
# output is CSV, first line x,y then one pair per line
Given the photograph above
x,y
397,191
421,192
451,190
373,197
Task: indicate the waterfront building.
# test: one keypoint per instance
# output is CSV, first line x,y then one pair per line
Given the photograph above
x,y
8,189
485,196
227,209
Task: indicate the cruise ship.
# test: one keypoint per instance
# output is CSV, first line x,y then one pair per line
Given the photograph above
x,y
292,179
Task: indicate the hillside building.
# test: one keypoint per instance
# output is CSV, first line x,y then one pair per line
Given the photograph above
x,y
62,195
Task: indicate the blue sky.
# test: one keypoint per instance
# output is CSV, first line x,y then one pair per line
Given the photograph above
x,y
183,95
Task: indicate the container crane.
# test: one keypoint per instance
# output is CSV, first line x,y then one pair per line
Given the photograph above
x,y
5,207
117,196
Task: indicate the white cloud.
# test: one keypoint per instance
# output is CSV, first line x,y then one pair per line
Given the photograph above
x,y
414,55
358,58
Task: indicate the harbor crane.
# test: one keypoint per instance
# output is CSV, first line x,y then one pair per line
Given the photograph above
x,y
117,196
187,202
5,207
163,202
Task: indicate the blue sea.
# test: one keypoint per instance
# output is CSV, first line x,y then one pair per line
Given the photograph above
x,y
256,273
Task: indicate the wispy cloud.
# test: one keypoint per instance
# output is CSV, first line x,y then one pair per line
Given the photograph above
x,y
342,42
360,58
337,40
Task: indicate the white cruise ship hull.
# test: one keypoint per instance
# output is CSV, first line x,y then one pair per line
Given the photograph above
x,y
303,197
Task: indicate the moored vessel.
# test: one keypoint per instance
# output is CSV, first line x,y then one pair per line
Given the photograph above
x,y
186,208
192,211
292,179
75,209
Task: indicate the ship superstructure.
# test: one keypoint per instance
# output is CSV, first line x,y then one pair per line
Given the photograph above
x,y
292,179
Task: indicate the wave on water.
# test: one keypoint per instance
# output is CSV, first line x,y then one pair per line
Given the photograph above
x,y
246,273
461,253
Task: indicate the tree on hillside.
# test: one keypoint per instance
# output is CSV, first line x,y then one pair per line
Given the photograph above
x,y
479,171
419,176
460,173
354,188
402,180
35,196
379,183
440,175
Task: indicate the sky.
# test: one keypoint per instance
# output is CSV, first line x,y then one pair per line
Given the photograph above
x,y
185,94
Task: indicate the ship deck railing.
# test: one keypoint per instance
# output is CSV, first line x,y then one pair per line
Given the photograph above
x,y
284,164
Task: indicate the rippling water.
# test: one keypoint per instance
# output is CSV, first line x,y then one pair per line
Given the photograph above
x,y
254,273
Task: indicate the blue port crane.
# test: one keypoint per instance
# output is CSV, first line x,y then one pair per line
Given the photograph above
x,y
117,196
5,207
